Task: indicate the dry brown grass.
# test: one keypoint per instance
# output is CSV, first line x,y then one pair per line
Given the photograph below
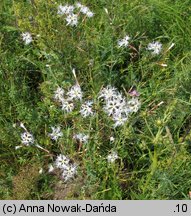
x,y
25,181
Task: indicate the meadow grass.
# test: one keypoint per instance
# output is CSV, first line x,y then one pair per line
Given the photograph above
x,y
153,146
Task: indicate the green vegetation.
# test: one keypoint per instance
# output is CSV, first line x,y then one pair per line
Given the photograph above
x,y
154,144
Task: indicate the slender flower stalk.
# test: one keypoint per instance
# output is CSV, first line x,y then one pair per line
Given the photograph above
x,y
40,147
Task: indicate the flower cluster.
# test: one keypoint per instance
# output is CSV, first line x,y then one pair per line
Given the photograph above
x,y
84,10
117,106
114,104
66,9
68,169
71,16
67,103
154,47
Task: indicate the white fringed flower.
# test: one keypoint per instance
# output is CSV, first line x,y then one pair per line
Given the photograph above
x,y
69,172
112,157
86,109
67,106
62,161
78,5
66,9
119,120
72,20
85,10
89,14
117,106
75,93
124,42
59,94
133,104
81,137
56,133
27,38
155,47
27,138
107,92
